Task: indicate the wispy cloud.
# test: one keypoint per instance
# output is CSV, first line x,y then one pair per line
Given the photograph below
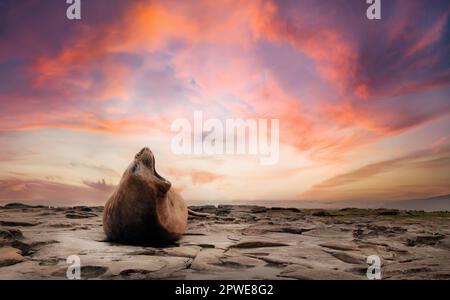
x,y
100,185
49,192
432,157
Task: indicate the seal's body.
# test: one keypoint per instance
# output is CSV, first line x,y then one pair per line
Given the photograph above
x,y
144,208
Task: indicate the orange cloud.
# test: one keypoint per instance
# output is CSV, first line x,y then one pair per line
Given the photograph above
x,y
151,26
90,122
334,55
197,177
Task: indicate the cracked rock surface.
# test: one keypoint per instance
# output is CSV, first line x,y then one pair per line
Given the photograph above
x,y
232,242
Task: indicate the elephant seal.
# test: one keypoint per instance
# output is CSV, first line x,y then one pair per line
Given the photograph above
x,y
144,208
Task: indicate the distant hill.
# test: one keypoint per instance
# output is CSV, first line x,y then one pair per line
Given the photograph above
x,y
439,203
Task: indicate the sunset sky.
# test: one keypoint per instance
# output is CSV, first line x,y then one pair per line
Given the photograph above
x,y
364,106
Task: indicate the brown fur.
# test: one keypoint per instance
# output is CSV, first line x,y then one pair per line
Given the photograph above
x,y
144,208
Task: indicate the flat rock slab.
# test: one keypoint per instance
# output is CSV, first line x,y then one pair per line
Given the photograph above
x,y
347,257
10,256
186,251
339,246
16,223
232,242
208,260
257,244
151,264
304,273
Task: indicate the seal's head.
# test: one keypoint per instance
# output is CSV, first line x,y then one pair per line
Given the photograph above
x,y
143,171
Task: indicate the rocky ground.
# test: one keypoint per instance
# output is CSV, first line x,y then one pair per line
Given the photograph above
x,y
234,242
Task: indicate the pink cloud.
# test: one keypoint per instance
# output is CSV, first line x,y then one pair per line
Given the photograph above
x,y
197,177
431,37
